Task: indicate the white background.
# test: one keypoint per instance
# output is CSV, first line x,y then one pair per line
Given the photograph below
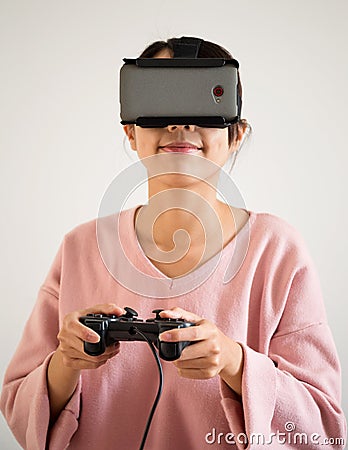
x,y
61,142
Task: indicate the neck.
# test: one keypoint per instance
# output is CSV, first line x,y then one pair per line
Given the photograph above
x,y
183,205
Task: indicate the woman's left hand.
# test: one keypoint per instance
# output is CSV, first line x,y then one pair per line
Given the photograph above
x,y
213,353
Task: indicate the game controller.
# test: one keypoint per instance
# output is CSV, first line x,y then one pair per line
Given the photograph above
x,y
112,328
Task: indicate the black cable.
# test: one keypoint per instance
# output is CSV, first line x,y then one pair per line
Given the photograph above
x,y
160,387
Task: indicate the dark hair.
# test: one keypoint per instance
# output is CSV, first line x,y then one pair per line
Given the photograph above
x,y
207,50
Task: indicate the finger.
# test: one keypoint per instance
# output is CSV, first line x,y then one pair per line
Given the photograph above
x,y
109,353
69,342
202,330
76,350
197,363
179,313
81,332
87,334
74,355
202,349
103,308
112,348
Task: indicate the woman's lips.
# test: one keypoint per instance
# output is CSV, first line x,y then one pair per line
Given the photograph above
x,y
180,149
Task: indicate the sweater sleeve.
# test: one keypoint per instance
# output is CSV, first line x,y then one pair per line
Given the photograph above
x,y
24,398
291,394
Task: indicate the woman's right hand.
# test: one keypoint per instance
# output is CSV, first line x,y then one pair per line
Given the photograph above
x,y
72,335
69,359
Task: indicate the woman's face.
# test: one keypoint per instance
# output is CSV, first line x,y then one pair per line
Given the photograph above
x,y
209,143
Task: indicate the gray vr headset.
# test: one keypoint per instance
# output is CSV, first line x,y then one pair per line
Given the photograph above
x,y
183,90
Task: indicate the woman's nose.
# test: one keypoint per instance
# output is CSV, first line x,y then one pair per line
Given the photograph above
x,y
184,127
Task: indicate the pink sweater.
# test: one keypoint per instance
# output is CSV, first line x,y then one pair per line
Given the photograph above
x,y
273,306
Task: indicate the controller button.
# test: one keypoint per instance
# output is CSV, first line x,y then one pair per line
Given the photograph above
x,y
157,312
130,313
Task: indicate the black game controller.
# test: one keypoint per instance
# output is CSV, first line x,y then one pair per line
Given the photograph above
x,y
112,328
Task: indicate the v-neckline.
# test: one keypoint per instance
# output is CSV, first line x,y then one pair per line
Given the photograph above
x,y
202,271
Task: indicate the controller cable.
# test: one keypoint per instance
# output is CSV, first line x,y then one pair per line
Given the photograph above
x,y
160,386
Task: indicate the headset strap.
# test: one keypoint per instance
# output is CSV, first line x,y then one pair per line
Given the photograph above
x,y
186,47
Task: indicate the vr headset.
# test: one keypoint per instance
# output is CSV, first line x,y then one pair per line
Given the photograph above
x,y
183,90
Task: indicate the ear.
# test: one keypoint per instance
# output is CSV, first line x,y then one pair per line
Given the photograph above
x,y
242,129
130,133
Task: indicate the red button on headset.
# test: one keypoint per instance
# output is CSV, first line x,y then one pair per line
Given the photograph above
x,y
218,91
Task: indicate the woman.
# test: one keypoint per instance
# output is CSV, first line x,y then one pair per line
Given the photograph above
x,y
263,371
